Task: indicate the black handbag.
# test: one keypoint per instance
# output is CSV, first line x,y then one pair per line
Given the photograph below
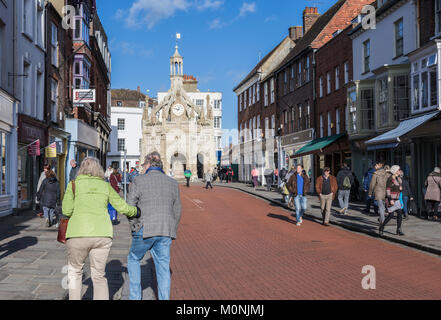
x,y
413,209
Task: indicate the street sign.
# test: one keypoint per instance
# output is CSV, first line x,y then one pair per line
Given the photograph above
x,y
51,150
84,96
34,148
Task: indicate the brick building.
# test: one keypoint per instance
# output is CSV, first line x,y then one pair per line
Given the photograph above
x,y
295,78
334,71
257,111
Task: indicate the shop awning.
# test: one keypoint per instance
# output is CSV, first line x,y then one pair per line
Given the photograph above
x,y
405,127
317,145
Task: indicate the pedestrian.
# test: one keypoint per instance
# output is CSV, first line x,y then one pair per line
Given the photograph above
x,y
407,194
115,182
355,188
231,175
73,171
433,193
299,185
159,199
377,189
394,194
326,187
43,176
187,175
89,231
291,171
215,173
366,183
345,180
276,176
255,175
269,175
208,179
49,197
109,171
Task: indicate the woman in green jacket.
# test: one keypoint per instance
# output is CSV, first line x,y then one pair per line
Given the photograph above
x,y
90,231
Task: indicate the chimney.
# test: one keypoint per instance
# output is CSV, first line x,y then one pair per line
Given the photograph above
x,y
295,33
310,16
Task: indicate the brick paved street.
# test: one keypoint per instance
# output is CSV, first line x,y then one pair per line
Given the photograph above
x,y
234,246
231,245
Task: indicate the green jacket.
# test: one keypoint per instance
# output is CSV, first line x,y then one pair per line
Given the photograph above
x,y
88,212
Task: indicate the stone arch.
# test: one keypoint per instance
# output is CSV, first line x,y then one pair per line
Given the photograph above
x,y
178,163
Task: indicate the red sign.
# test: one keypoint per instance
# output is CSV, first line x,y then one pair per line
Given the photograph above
x,y
34,148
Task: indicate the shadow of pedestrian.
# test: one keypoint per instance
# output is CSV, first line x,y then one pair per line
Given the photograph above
x,y
17,245
280,217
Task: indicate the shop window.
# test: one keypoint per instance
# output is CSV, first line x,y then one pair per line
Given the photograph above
x,y
416,92
367,109
383,101
352,112
401,97
3,163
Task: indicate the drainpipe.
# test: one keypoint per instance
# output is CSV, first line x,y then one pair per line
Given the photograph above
x,y
14,135
438,66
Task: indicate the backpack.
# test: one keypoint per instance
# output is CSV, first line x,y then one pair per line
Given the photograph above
x,y
347,183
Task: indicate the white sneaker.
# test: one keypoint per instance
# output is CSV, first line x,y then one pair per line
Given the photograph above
x,y
301,221
298,224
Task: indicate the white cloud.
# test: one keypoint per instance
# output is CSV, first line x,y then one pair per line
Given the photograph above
x,y
150,12
247,8
202,5
219,24
271,18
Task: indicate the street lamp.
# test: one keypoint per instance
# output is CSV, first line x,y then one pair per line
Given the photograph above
x,y
125,175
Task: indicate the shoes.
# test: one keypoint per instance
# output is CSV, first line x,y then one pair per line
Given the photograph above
x,y
298,224
326,224
342,210
400,232
48,223
381,230
301,221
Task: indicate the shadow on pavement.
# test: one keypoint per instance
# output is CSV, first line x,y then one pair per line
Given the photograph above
x,y
17,245
280,217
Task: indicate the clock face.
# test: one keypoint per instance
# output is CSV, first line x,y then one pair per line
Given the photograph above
x,y
178,109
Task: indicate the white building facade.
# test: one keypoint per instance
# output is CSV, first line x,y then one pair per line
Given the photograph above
x,y
126,135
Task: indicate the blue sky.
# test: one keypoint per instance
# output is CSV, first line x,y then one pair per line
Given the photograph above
x,y
221,40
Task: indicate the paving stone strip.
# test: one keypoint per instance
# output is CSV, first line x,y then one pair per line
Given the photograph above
x,y
421,234
33,265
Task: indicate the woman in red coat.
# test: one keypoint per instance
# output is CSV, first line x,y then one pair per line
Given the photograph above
x,y
115,179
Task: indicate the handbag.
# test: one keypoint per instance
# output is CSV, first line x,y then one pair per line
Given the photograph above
x,y
62,228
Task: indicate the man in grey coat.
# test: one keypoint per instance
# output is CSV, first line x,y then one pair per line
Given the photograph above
x,y
157,195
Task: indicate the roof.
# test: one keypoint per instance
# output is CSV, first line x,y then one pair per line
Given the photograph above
x,y
127,94
260,64
307,40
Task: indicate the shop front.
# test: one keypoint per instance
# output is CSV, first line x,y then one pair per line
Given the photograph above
x,y
58,138
8,175
84,142
415,145
29,165
291,144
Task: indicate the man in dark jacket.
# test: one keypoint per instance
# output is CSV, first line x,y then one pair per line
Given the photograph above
x,y
366,183
299,185
344,180
49,197
326,187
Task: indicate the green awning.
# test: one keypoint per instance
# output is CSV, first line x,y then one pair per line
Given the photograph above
x,y
317,145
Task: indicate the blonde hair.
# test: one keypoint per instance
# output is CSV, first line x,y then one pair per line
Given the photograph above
x,y
91,167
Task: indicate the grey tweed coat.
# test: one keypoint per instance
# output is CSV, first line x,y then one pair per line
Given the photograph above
x,y
158,197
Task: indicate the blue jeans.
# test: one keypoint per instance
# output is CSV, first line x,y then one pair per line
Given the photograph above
x,y
301,203
160,249
405,208
49,213
343,198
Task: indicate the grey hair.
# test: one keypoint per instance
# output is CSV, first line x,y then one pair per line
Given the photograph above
x,y
437,170
92,167
154,159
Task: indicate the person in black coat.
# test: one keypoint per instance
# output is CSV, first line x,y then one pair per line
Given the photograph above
x,y
407,194
49,197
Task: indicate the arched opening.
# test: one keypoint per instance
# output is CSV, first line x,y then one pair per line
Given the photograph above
x,y
176,68
178,164
200,165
